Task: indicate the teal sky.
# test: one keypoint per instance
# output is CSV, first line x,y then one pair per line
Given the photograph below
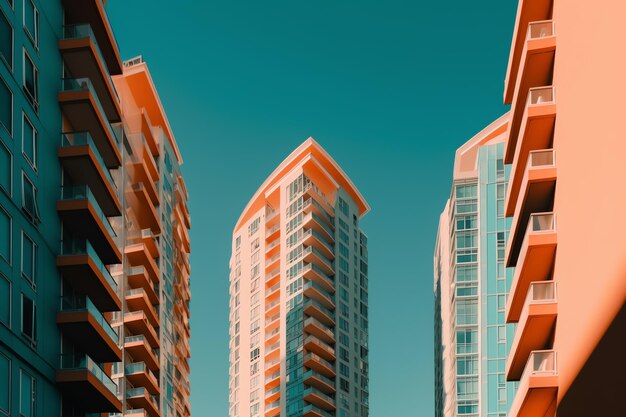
x,y
390,89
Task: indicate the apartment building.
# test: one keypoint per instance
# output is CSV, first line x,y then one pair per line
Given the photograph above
x,y
471,283
564,146
299,294
72,306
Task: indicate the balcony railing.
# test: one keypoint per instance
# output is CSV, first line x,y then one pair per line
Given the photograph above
x,y
271,305
540,29
314,340
317,358
84,138
72,362
542,222
318,393
541,292
318,288
320,325
273,405
311,249
272,391
83,247
314,409
83,303
312,202
319,237
272,230
312,374
541,95
84,30
319,221
82,192
316,304
540,363
142,392
141,338
137,367
272,377
542,158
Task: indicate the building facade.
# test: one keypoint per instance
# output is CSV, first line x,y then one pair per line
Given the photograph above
x,y
565,149
471,283
299,294
70,303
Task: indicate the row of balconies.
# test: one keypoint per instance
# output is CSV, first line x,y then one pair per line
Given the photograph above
x,y
531,247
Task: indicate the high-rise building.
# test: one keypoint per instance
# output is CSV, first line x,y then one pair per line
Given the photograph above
x,y
471,283
565,146
299,294
73,242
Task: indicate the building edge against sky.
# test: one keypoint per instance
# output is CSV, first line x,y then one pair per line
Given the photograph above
x,y
299,294
94,244
471,282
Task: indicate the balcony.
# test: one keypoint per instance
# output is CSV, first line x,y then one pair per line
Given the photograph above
x,y
535,188
139,375
140,174
82,162
272,395
141,398
150,138
80,378
272,409
138,300
317,223
272,233
272,277
528,11
317,293
83,110
137,412
146,213
273,263
81,213
82,268
93,13
272,248
311,254
310,205
138,254
314,239
80,320
273,292
314,309
272,308
272,217
272,323
536,69
273,380
535,327
83,58
323,384
319,365
138,323
148,239
138,277
315,345
312,411
319,399
535,262
313,273
538,386
140,350
312,192
314,327
272,366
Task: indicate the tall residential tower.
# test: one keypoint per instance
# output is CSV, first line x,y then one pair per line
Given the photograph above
x,y
471,283
299,294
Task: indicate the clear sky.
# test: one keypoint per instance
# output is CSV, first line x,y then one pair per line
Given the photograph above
x,y
389,88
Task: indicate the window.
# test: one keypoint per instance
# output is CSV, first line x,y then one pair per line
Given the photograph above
x,y
29,319
467,388
31,21
5,301
467,341
255,354
467,365
6,165
467,312
237,242
31,80
6,40
254,226
29,199
343,207
5,236
27,395
6,107
5,385
29,142
29,258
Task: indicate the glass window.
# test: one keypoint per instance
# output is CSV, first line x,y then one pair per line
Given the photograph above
x,y
6,107
6,40
6,167
31,21
27,395
29,258
29,319
29,142
5,384
5,301
29,198
31,80
5,236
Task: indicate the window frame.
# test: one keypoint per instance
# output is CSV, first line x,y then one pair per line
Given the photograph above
x,y
8,325
9,129
34,139
33,387
10,65
33,99
9,192
10,260
34,216
7,412
34,37
33,281
32,340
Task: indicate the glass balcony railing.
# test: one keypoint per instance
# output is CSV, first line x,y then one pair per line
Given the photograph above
x,y
272,391
317,358
315,322
313,409
142,392
83,247
272,319
272,305
318,288
84,84
138,367
541,95
541,158
311,249
540,363
317,270
312,374
272,259
272,405
542,222
82,192
319,237
272,347
319,221
84,138
316,304
540,29
311,202
315,341
272,230
72,362
83,303
273,244
141,338
272,377
318,393
83,30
